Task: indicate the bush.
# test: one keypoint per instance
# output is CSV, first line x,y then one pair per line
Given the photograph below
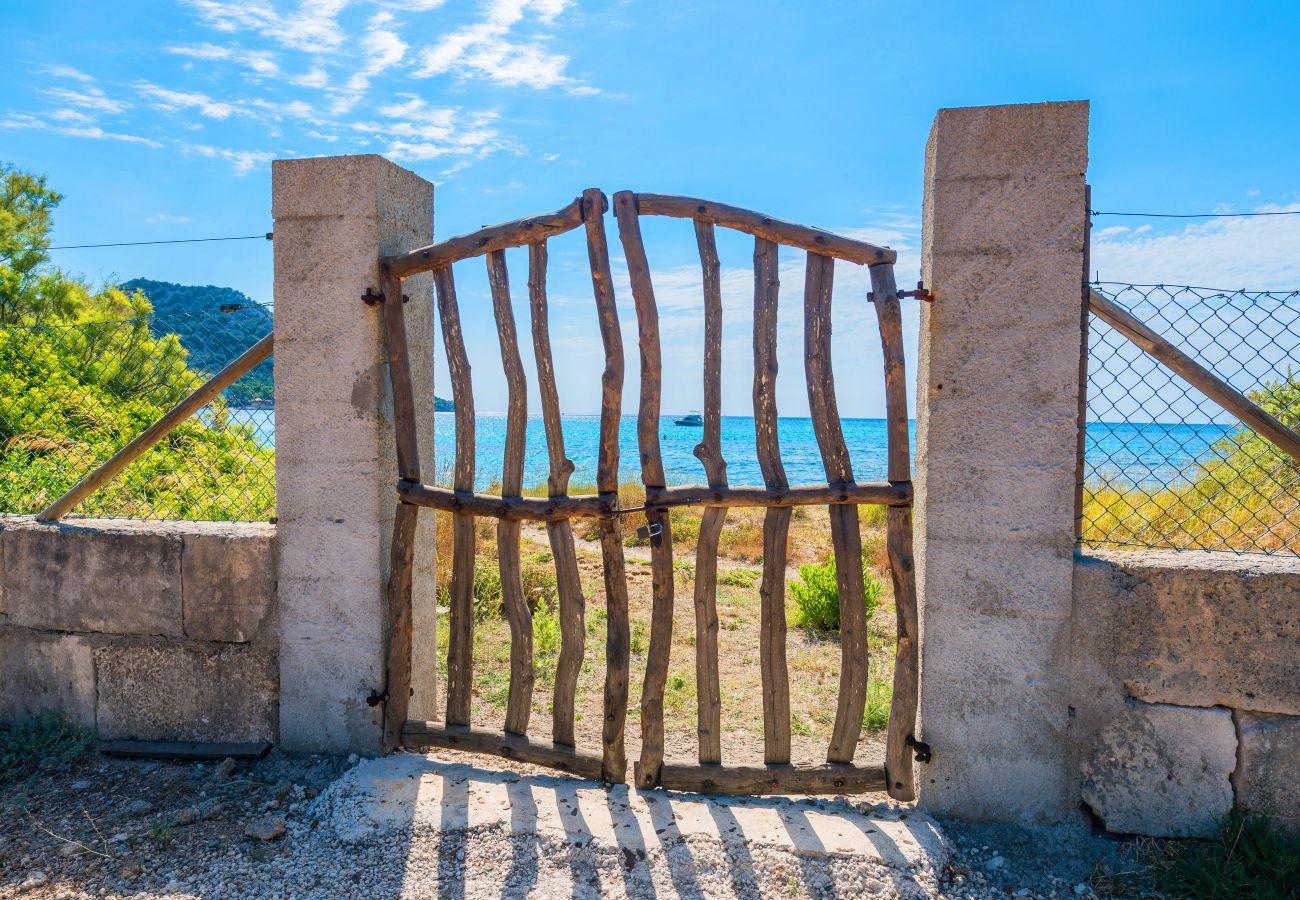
x,y
49,742
745,578
546,636
817,598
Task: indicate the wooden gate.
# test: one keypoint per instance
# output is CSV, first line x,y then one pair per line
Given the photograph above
x,y
840,492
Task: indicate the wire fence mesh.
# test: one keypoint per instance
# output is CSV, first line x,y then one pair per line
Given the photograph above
x,y
73,394
1165,466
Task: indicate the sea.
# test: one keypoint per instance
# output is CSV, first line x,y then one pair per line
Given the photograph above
x,y
1129,454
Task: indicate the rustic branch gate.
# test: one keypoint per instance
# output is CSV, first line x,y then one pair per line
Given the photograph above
x,y
840,492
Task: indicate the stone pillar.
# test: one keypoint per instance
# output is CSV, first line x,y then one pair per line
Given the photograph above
x,y
997,404
335,455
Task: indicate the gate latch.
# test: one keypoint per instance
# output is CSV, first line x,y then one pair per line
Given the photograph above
x,y
376,698
650,530
921,747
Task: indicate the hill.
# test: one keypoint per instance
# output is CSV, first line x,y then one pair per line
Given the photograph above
x,y
216,324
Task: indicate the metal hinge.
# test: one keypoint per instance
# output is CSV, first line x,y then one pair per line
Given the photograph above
x,y
922,749
376,698
371,298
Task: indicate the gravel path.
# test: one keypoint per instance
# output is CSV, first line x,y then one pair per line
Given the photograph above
x,y
111,828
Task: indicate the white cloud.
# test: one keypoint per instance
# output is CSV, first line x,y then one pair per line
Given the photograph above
x,y
166,219
67,72
312,27
89,97
243,161
485,49
261,62
315,77
171,101
79,130
1254,253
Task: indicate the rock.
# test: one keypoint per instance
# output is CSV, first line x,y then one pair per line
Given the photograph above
x,y
131,869
1162,770
266,828
186,815
80,785
225,769
34,881
69,849
212,809
994,863
139,807
1269,767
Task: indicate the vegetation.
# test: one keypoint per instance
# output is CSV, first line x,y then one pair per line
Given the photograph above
x,y
48,742
1249,857
84,371
1245,494
817,598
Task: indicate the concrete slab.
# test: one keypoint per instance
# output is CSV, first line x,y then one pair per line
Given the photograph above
x,y
391,794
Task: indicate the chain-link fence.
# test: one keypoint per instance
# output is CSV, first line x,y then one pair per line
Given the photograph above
x,y
1164,466
72,395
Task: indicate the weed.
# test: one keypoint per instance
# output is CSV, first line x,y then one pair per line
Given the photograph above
x,y
160,832
48,742
875,717
685,568
745,578
817,598
546,634
872,515
638,638
541,556
1249,857
487,589
539,584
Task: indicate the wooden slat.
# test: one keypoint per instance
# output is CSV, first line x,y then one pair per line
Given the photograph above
x,y
1195,374
399,379
618,634
835,778
560,533
879,494
776,524
519,703
522,509
486,240
709,452
200,398
905,697
397,682
652,475
401,568
426,735
765,227
846,535
460,631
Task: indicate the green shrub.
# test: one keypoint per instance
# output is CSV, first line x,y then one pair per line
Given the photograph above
x,y
745,578
817,597
546,634
875,717
487,589
48,742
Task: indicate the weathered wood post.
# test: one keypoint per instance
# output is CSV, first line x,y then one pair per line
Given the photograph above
x,y
336,472
997,403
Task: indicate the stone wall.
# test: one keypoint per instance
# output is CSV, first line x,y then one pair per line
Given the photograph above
x,y
153,631
1186,688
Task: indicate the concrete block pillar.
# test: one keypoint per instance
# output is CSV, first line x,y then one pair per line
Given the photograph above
x,y
997,403
335,456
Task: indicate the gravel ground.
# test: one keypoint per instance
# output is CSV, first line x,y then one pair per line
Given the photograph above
x,y
110,828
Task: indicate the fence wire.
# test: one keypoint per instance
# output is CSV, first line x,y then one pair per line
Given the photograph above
x,y
72,395
1164,465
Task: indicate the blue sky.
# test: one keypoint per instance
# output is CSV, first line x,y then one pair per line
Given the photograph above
x,y
159,120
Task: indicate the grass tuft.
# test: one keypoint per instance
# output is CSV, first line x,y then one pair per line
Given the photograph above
x,y
1249,857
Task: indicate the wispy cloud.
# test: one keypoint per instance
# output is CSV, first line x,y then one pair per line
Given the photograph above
x,y
1254,253
313,26
171,101
261,62
89,97
61,71
243,161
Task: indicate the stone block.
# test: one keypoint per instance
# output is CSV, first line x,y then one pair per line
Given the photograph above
x,y
1198,628
100,577
360,186
983,216
186,693
4,607
1268,772
228,581
1162,771
41,672
1011,140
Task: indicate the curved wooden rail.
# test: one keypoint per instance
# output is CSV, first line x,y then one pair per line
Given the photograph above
x,y
764,226
529,230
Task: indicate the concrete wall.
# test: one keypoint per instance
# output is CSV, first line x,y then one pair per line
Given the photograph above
x,y
152,631
1185,688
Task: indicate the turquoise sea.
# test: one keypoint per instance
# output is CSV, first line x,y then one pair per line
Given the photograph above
x,y
1126,453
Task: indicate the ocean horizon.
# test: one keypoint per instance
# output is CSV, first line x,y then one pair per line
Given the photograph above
x,y
1123,453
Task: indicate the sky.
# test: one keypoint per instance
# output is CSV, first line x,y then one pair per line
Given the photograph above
x,y
159,120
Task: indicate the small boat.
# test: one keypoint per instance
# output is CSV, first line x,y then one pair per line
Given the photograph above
x,y
694,419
